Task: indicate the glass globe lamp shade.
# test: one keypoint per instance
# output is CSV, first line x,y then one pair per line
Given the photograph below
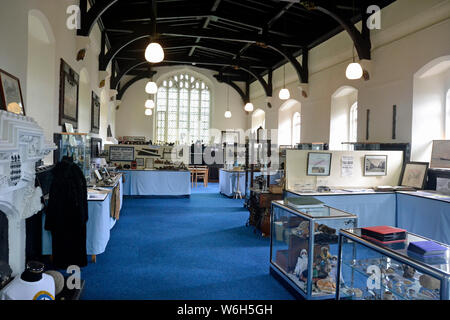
x,y
249,107
284,94
354,71
154,53
151,88
148,112
149,104
228,114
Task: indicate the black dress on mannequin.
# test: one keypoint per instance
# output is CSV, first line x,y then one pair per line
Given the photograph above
x,y
67,214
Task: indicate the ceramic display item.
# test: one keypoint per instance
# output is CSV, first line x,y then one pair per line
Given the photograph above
x,y
429,283
302,263
408,272
388,296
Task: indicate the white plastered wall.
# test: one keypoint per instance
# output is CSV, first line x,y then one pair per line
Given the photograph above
x,y
431,84
35,59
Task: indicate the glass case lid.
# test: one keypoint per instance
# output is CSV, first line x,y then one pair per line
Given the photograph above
x,y
439,263
313,208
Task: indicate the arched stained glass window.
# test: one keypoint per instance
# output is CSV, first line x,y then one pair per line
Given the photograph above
x,y
183,110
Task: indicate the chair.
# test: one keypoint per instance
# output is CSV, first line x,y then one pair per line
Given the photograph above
x,y
201,172
193,171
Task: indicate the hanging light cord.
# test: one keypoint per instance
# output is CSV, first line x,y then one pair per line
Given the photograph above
x,y
228,95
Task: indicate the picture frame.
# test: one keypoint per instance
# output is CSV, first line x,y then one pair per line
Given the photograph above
x,y
319,164
95,113
11,98
140,162
414,175
121,154
69,87
375,165
69,127
440,156
98,175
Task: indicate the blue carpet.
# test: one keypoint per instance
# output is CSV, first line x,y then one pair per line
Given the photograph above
x,y
195,248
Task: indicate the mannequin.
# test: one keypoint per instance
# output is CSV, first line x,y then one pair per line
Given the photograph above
x,y
33,272
32,284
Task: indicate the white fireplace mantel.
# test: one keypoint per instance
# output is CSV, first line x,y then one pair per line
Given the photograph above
x,y
20,136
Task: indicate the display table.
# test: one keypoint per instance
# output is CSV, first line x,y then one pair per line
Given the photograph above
x,y
425,213
98,228
228,182
372,208
156,183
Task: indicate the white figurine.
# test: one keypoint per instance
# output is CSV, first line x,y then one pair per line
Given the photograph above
x,y
302,263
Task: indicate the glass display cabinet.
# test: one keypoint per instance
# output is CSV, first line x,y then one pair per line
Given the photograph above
x,y
304,246
76,145
371,271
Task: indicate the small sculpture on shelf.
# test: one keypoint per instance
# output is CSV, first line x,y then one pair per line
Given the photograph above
x,y
302,263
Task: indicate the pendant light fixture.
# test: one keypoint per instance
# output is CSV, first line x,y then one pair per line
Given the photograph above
x,y
228,112
154,52
249,107
354,70
149,104
284,93
151,87
148,112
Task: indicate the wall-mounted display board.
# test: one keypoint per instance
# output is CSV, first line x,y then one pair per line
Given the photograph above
x,y
119,153
297,175
440,157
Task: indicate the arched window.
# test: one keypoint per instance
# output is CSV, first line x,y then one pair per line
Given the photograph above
x,y
183,110
353,127
296,128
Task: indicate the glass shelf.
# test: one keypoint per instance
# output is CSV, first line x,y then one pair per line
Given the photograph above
x,y
385,273
304,247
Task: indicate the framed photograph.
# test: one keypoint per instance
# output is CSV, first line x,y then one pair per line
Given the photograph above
x,y
69,127
140,162
98,175
375,165
95,113
319,164
68,95
414,175
440,155
11,93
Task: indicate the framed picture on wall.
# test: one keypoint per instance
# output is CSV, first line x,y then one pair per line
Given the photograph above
x,y
140,162
319,164
375,165
414,175
68,95
95,113
11,94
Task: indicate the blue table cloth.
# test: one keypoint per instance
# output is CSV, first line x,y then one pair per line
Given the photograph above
x,y
372,209
98,228
423,216
156,183
228,182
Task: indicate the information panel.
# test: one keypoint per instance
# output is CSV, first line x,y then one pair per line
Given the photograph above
x,y
118,153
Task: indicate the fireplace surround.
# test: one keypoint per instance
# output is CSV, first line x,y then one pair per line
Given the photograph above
x,y
22,144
